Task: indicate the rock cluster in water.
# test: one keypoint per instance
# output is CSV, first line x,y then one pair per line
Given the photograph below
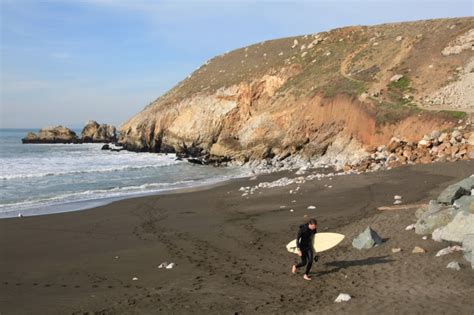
x,y
91,133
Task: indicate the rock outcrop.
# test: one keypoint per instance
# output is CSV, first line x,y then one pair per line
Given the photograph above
x,y
53,134
319,96
93,132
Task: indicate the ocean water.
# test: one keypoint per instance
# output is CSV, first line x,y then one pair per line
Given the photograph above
x,y
48,178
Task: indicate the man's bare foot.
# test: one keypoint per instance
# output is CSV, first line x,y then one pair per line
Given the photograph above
x,y
306,277
293,269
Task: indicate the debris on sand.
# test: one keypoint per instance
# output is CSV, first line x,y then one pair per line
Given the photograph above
x,y
418,250
163,265
342,297
454,265
448,250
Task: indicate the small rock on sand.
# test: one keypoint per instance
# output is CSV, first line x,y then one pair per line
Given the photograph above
x,y
397,202
170,266
367,239
397,197
410,227
418,250
134,279
396,250
454,265
425,237
311,207
342,297
448,250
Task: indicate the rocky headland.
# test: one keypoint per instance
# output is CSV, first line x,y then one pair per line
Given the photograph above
x,y
339,97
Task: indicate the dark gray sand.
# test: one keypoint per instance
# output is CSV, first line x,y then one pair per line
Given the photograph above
x,y
230,252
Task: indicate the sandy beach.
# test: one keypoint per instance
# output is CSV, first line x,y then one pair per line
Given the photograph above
x,y
230,252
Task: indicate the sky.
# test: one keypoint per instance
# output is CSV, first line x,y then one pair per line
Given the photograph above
x,y
69,61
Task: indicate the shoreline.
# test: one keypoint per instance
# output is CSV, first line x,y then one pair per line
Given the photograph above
x,y
230,251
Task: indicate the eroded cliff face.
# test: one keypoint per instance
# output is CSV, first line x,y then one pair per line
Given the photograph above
x,y
308,96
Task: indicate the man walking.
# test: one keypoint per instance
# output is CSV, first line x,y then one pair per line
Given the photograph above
x,y
304,243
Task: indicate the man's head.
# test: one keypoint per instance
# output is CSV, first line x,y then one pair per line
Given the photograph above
x,y
312,224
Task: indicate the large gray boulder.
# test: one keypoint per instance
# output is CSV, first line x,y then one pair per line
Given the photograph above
x,y
455,191
465,203
427,224
468,245
367,239
52,134
93,132
426,210
459,227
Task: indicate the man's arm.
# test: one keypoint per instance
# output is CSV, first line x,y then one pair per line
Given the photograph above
x,y
298,237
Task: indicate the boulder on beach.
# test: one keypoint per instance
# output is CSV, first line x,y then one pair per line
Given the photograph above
x,y
465,203
428,223
93,132
455,191
52,134
468,246
367,239
461,225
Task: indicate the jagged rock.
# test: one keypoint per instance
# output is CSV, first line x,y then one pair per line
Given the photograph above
x,y
53,134
93,132
428,223
461,225
468,246
455,191
367,239
465,203
454,265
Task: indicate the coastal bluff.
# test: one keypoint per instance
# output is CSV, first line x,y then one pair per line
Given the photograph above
x,y
334,96
92,132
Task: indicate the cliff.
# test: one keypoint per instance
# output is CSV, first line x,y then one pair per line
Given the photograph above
x,y
336,93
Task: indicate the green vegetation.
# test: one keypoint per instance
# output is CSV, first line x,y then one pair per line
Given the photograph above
x,y
344,86
391,113
454,114
402,85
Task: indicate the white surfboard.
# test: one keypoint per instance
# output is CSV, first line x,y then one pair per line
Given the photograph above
x,y
321,242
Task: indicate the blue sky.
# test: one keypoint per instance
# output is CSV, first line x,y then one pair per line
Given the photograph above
x,y
68,61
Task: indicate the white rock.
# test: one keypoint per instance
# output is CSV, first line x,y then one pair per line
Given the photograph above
x,y
170,266
410,227
291,210
311,207
454,265
397,197
134,278
425,237
397,202
342,297
448,250
396,77
163,265
436,235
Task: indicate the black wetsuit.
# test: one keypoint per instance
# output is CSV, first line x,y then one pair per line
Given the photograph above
x,y
304,243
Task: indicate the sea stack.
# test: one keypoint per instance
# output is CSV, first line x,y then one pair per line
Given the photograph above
x,y
52,134
93,132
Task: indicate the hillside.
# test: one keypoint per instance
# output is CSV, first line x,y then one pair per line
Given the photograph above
x,y
339,92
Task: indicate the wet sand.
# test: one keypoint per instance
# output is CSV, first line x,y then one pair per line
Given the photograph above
x,y
230,252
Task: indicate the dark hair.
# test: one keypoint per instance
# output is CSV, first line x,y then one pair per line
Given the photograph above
x,y
313,221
